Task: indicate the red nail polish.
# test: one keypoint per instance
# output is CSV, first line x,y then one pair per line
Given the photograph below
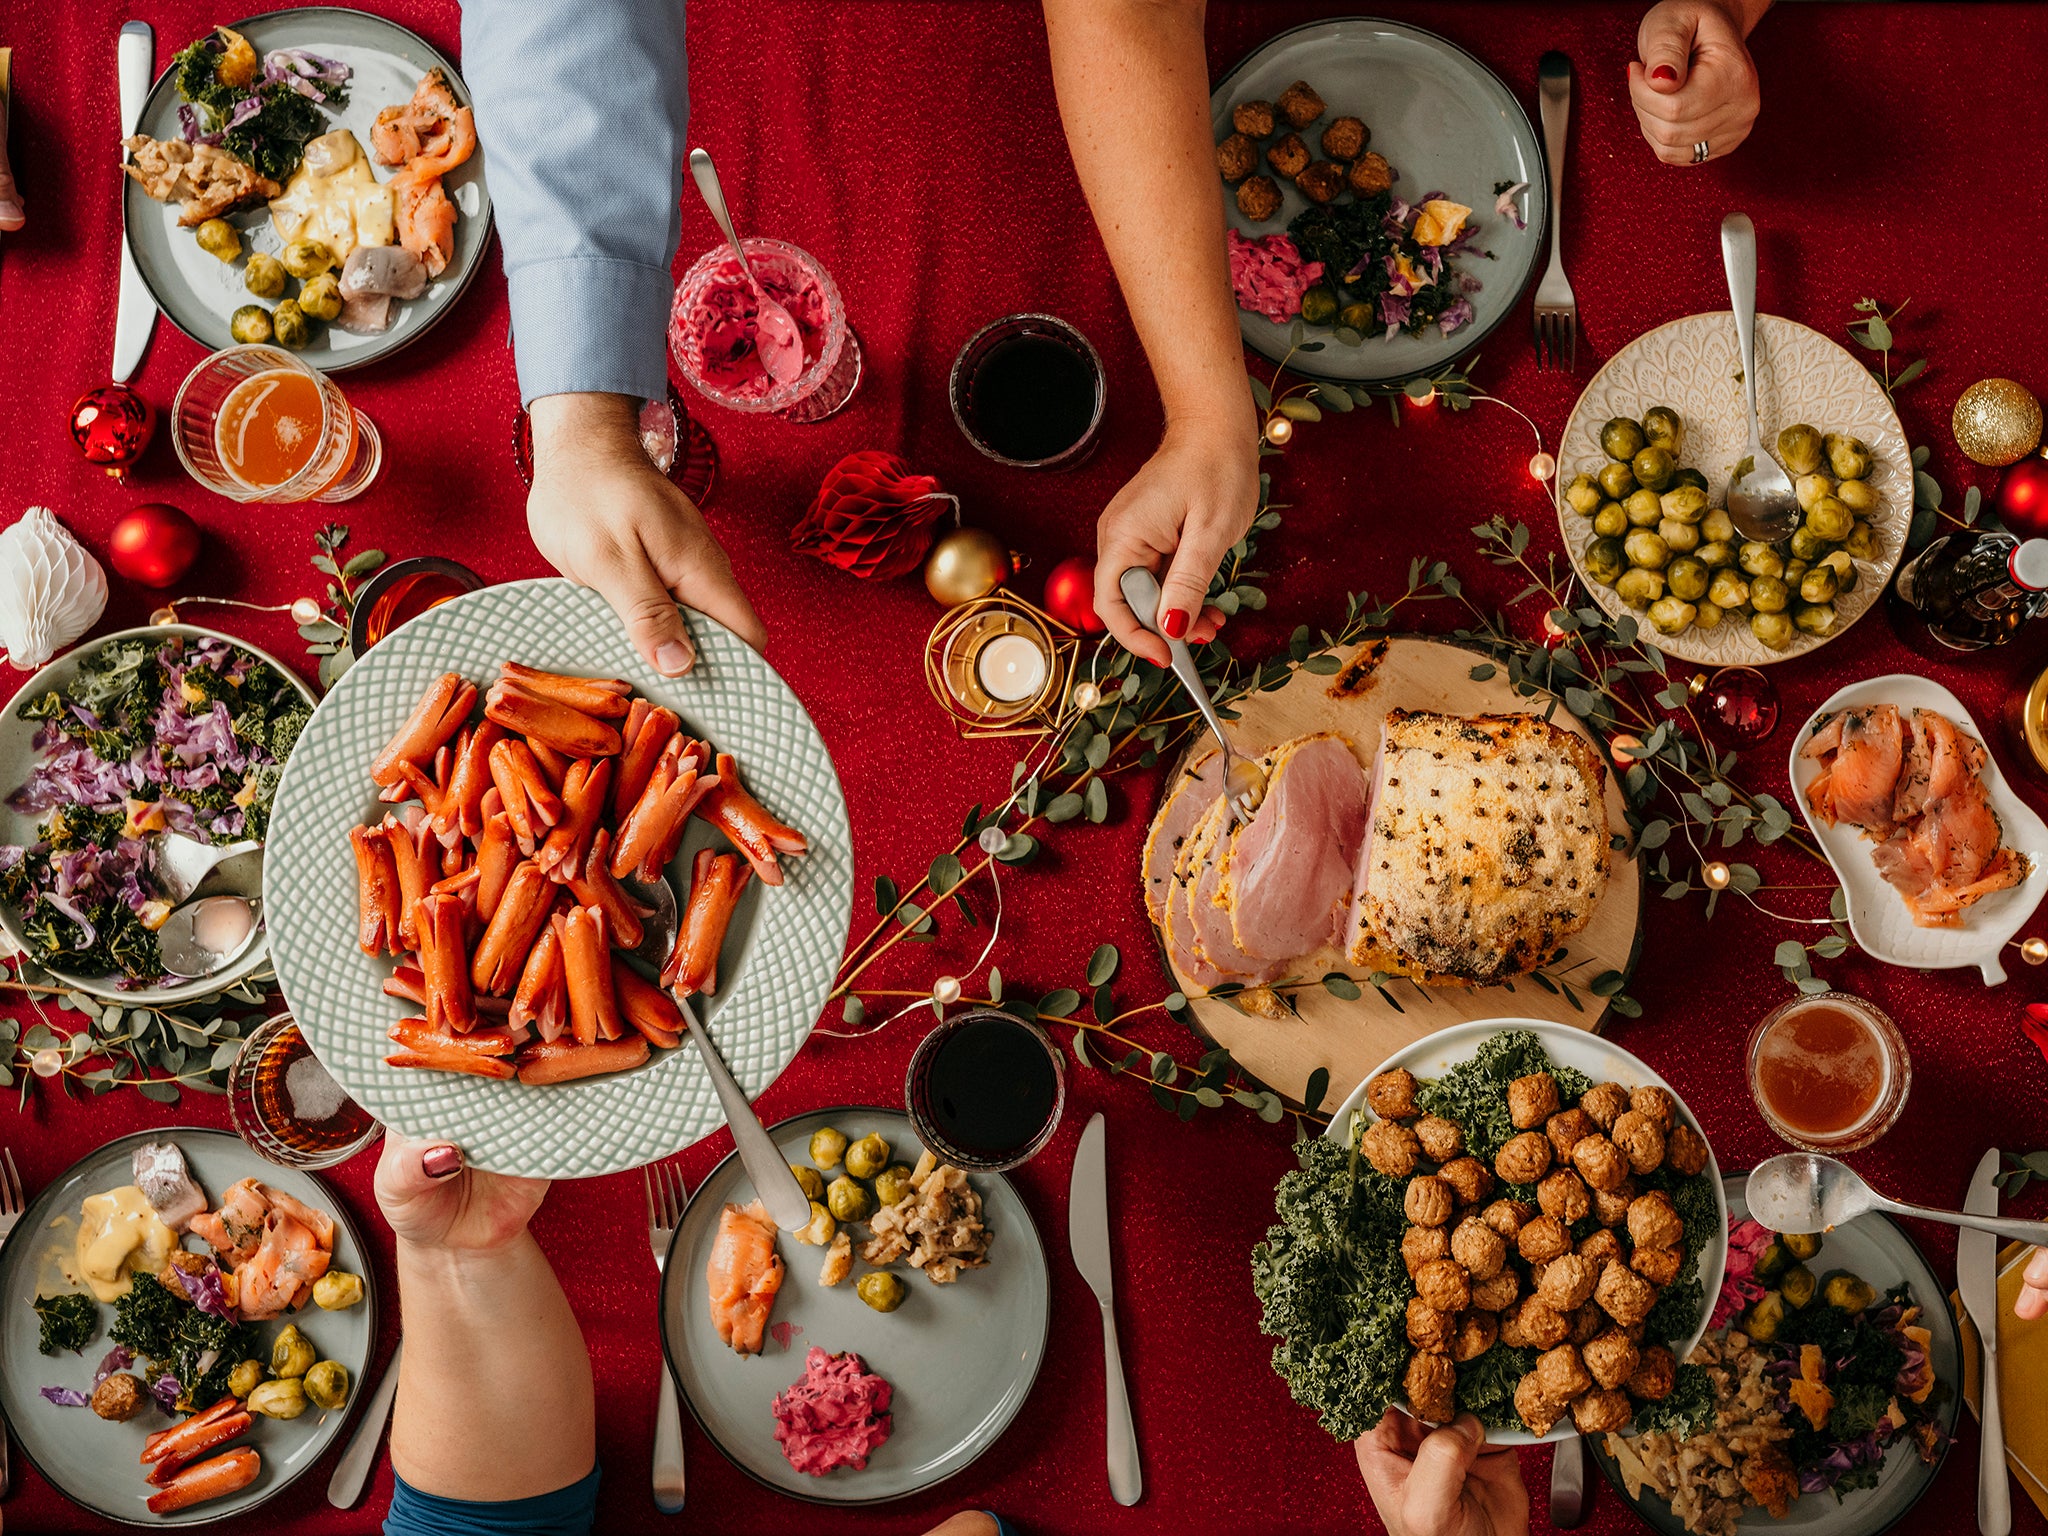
x,y
1174,622
1663,72
440,1162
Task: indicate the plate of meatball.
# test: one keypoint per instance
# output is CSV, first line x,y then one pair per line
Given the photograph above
x,y
1562,1205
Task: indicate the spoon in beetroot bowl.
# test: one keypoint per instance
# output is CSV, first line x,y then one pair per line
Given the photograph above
x,y
776,336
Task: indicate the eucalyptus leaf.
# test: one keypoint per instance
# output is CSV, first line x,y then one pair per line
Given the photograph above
x,y
1096,800
995,985
1103,964
1060,1003
854,1011
1064,808
886,895
1337,984
1317,1090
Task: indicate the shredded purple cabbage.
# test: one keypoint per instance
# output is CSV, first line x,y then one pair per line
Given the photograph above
x,y
117,1359
66,1397
1393,311
165,1390
188,125
1458,312
245,109
205,1291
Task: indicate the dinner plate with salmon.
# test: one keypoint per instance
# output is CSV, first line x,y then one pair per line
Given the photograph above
x,y
1940,861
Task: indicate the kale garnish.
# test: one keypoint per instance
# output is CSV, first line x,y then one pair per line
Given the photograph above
x,y
1686,1410
174,1336
68,1321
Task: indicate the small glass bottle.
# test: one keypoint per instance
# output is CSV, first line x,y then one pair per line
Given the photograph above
x,y
1976,587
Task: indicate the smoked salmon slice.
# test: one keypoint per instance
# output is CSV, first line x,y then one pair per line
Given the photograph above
x,y
744,1274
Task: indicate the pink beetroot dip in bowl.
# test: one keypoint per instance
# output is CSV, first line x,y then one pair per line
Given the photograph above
x,y
711,333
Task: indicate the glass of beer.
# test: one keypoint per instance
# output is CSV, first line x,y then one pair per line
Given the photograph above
x,y
257,424
283,1103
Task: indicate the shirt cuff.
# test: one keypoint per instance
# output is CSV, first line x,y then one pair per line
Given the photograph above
x,y
590,325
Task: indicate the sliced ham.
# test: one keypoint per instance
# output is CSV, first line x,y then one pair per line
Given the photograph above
x,y
1212,938
1288,872
1194,790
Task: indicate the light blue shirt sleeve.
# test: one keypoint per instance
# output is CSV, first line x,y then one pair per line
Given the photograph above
x,y
581,106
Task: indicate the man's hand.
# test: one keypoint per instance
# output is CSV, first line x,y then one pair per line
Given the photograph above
x,y
1693,80
2033,1298
433,1202
607,519
1443,1483
1179,514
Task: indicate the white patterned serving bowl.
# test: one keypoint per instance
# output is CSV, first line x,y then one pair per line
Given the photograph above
x,y
779,958
1691,366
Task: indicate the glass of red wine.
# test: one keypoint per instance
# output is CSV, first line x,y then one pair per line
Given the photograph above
x,y
1029,391
985,1090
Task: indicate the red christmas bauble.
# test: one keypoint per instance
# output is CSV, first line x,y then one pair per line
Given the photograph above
x,y
1070,595
2023,497
154,544
872,516
112,425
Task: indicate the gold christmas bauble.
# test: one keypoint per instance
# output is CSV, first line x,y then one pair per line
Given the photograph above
x,y
964,564
1997,421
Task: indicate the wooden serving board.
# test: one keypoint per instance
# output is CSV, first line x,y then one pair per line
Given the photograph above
x,y
1351,1037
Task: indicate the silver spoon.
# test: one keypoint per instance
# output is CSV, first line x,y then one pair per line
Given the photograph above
x,y
777,338
179,940
1805,1192
1760,498
180,864
1244,781
658,927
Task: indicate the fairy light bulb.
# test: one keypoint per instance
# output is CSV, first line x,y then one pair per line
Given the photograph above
x,y
164,615
2034,951
1542,466
993,840
47,1062
305,610
1086,696
1624,747
1716,876
1279,431
946,991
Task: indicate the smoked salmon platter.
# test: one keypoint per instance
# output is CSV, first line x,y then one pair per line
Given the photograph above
x,y
272,1258
466,871
1940,861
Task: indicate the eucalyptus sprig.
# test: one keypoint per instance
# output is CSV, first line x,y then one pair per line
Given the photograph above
x,y
2020,1170
327,636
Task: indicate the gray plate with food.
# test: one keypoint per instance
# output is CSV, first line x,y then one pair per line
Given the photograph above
x,y
93,1229
360,199
958,1358
1878,1251
1445,124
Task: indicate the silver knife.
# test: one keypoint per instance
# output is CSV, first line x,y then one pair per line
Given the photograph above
x,y
135,312
1977,1284
1088,1233
353,1470
1568,1484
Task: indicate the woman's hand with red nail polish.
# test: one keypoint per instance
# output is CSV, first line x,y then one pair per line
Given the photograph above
x,y
1693,80
430,1205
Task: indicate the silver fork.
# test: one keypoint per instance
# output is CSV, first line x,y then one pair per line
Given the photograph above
x,y
11,1204
665,1199
1557,312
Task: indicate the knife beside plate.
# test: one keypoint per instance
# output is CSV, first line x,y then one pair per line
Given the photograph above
x,y
1088,1233
135,309
1977,1284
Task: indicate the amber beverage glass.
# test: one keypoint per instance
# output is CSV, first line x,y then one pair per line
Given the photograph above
x,y
1781,1065
256,423
283,1103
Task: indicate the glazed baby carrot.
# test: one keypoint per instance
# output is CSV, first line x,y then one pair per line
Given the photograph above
x,y
595,887
743,819
450,1004
604,697
583,800
567,730
716,880
529,799
646,1007
441,712
543,996
213,1479
586,958
522,911
559,1061
377,914
647,732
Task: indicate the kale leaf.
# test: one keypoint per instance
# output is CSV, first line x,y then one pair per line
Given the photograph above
x,y
174,1336
1686,1410
1486,1386
68,1321
1475,1093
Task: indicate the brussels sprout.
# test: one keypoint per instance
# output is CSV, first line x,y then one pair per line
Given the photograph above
x,y
1764,1318
337,1290
827,1147
1686,578
1805,543
1717,524
1815,618
1828,518
1610,522
1802,1245
1689,476
291,1352
219,238
250,324
1623,439
848,1199
264,276
292,327
1646,549
1848,457
1617,481
1684,504
867,1157
327,1384
1773,629
1654,467
1861,544
1583,495
881,1290
1605,560
1640,588
1709,615
1819,585
1664,429
819,1229
1358,316
893,1183
1760,559
1794,569
307,258
1772,1262
1844,1290
810,1181
245,1378
1857,496
1671,616
1769,594
1319,306
1798,1285
1799,450
1838,561
1715,553
1683,538
1810,488
321,298
1728,590
285,1399
1645,509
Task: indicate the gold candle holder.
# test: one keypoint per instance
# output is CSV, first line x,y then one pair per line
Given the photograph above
x,y
998,666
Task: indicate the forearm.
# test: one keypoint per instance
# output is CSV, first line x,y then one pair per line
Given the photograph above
x,y
494,1391
568,425
1132,73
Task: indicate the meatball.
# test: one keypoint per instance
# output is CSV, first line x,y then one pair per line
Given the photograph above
x,y
1253,119
1523,1159
1419,1245
1600,1162
1532,1100
1563,1195
1322,182
1258,199
120,1397
1599,1248
1508,1217
1391,1095
1603,1102
1543,1239
1567,1282
1289,157
1496,1293
1598,1412
1656,1373
1652,1223
1443,1284
1428,1327
1441,1139
1532,1323
1430,1383
1299,104
1537,1411
1566,1129
1588,1323
1478,1247
1659,1266
1473,1335
1391,1147
1346,138
1610,1206
1370,174
1429,1201
1468,1178
1640,1140
1562,1374
1657,1104
1237,157
1626,1295
1685,1149
1611,1358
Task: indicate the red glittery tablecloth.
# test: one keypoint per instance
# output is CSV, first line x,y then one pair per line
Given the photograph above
x,y
916,150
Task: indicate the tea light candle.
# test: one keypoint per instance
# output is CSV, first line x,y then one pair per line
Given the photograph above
x,y
1010,668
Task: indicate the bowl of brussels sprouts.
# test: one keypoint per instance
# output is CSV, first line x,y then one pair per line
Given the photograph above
x,y
1642,484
